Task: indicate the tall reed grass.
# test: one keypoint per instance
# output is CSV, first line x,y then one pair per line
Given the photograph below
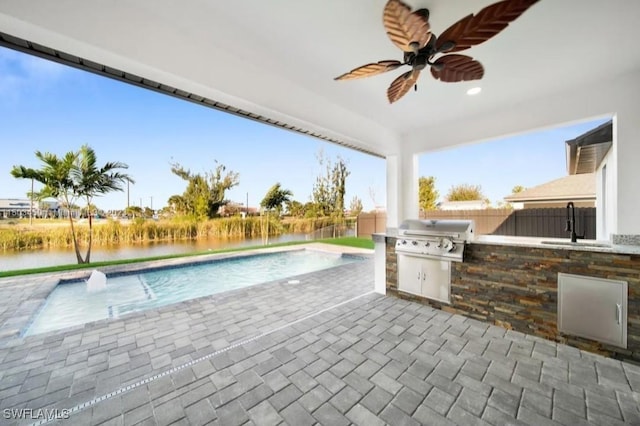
x,y
142,231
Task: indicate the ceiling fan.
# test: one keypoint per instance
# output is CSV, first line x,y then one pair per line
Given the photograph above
x,y
411,32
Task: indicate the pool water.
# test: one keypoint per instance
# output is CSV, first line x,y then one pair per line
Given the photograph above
x,y
71,304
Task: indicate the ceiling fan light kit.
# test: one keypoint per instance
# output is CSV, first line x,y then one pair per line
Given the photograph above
x,y
411,33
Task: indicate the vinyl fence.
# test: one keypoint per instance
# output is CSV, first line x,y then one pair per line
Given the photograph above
x,y
370,223
545,223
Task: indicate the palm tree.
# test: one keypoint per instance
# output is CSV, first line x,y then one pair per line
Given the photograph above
x,y
91,180
72,177
275,198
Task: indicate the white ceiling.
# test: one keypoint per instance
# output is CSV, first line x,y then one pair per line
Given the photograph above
x,y
278,59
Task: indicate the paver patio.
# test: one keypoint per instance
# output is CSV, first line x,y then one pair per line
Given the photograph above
x,y
324,351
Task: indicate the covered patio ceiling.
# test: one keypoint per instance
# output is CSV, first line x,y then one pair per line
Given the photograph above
x,y
277,60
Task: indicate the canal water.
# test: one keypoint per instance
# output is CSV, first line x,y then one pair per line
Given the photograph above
x,y
63,256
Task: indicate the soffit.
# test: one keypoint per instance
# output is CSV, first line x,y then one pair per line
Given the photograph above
x,y
277,59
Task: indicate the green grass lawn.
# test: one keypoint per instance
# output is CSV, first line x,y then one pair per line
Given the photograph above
x,y
366,243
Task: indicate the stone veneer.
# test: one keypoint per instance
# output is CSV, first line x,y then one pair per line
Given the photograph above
x,y
516,287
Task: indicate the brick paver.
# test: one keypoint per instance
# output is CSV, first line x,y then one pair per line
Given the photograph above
x,y
373,360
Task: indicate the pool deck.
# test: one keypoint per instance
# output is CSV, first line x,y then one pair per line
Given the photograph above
x,y
324,351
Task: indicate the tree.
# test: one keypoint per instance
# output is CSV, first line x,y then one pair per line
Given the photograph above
x,y
356,206
86,210
295,208
177,205
274,199
311,210
72,177
427,193
205,192
321,194
133,211
465,192
372,196
93,181
517,189
339,174
330,187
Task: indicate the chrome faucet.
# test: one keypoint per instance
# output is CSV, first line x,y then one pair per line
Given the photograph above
x,y
571,222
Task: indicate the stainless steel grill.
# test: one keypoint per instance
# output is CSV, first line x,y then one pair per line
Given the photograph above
x,y
436,239
425,250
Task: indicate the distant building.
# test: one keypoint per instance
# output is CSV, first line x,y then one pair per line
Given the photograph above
x,y
21,208
232,209
581,189
463,205
15,207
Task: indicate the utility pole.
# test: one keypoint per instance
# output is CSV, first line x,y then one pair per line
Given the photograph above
x,y
128,181
247,205
31,205
151,198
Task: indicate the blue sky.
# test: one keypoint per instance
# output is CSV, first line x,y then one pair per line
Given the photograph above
x,y
48,107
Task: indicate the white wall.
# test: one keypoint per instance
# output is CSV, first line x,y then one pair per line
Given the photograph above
x,y
605,197
626,142
380,268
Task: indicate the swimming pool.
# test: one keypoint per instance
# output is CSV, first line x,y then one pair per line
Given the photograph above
x,y
71,304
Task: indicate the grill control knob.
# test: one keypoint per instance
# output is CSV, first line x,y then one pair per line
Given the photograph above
x,y
447,245
404,241
427,244
415,243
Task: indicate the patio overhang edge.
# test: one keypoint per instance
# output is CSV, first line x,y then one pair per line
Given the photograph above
x,y
36,49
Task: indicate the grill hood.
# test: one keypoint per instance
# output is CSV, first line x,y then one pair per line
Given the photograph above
x,y
457,230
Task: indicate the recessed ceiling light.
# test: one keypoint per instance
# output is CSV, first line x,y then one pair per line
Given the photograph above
x,y
474,91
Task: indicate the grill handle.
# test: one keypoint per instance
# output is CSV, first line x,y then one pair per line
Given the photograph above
x,y
431,234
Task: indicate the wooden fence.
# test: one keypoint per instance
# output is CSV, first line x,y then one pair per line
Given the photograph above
x,y
545,223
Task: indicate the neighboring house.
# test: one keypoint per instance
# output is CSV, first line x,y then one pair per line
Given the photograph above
x,y
587,183
581,189
463,205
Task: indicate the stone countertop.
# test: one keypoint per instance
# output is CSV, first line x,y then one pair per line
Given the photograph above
x,y
557,244
537,242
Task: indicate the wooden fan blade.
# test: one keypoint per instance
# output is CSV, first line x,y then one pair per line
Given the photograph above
x,y
404,27
472,30
457,68
368,70
402,85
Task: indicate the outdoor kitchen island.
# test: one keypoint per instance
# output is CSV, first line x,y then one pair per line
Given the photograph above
x,y
513,282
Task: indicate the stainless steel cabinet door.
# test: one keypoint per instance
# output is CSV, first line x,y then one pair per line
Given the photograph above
x,y
410,275
436,277
593,308
424,277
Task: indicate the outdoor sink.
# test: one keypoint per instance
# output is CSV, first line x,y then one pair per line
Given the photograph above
x,y
577,244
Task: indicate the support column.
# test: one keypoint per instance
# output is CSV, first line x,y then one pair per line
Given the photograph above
x,y
402,189
402,203
626,135
380,264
